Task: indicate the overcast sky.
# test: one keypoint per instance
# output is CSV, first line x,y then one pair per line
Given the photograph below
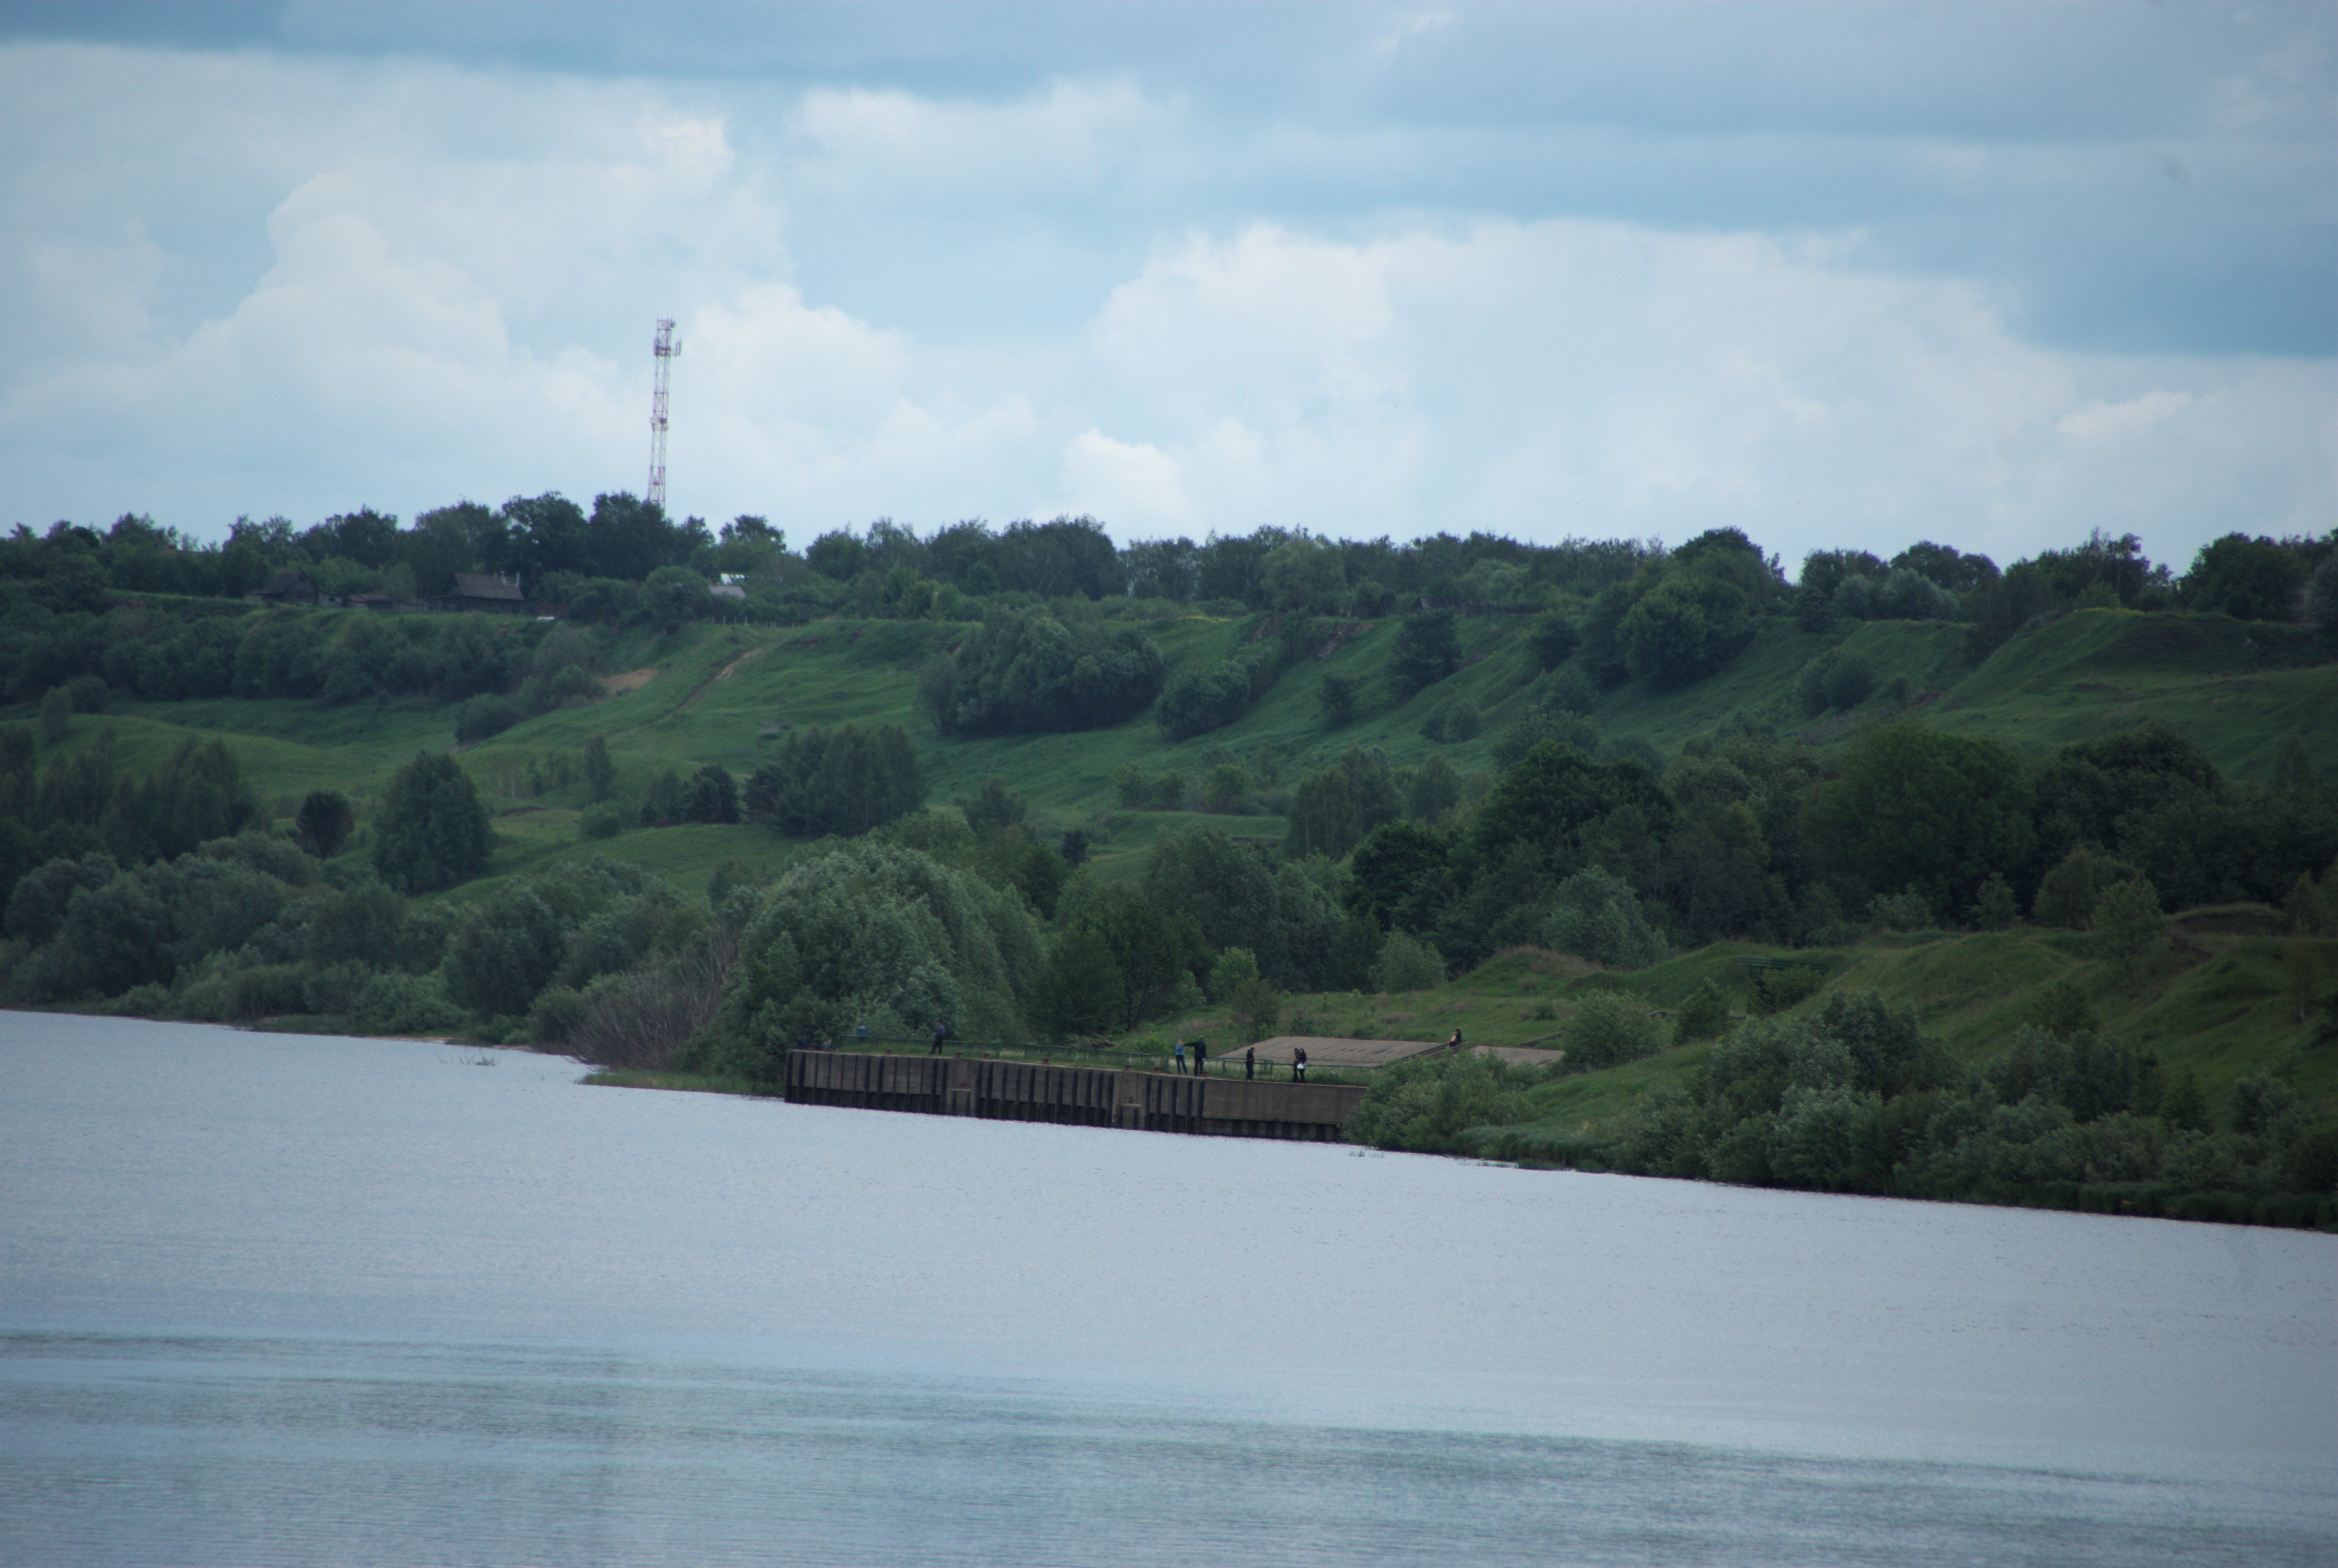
x,y
1840,274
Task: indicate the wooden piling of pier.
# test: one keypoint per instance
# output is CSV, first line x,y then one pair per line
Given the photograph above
x,y
1084,1097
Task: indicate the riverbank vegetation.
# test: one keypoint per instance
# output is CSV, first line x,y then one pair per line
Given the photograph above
x,y
2036,868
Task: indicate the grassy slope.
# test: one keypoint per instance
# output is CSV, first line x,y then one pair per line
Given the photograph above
x,y
725,694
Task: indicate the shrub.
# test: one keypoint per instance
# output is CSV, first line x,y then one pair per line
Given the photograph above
x,y
402,1004
1234,966
1773,990
1452,723
1256,1007
1408,964
555,1016
1834,680
1703,1016
1900,911
484,716
1337,699
1429,1103
603,821
1427,650
334,988
2128,916
433,829
1609,1029
1996,908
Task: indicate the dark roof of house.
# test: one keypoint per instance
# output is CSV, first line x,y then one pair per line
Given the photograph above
x,y
477,585
289,582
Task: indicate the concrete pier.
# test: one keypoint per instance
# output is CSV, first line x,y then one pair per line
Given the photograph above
x,y
1085,1097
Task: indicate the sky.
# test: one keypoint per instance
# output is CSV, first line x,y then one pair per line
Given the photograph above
x,y
1838,275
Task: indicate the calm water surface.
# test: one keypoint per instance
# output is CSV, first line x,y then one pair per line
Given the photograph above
x,y
284,1299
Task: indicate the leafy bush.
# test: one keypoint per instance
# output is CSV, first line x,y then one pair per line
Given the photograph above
x,y
1609,1029
1406,963
1703,1016
1452,722
603,821
1685,628
1836,679
1427,650
399,1003
1026,670
1430,1103
1772,991
485,715
845,780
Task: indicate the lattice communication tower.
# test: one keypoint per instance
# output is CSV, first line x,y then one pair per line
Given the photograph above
x,y
668,345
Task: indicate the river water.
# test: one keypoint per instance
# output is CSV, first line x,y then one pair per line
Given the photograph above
x,y
284,1299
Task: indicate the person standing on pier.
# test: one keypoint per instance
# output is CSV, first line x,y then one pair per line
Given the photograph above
x,y
1179,1057
1250,1062
1201,1058
941,1032
1299,1064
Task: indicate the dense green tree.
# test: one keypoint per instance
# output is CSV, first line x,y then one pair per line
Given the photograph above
x,y
2129,917
1596,916
671,595
1435,789
324,821
1610,1028
1836,679
663,802
1027,670
38,904
711,795
1914,806
503,952
1226,886
113,936
845,781
881,935
600,773
1427,650
2248,578
433,831
1304,577
1555,793
1407,964
1336,698
1685,628
1552,639
1080,992
1395,863
2067,894
996,808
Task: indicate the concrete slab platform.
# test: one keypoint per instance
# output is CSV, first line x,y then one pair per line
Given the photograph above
x,y
1328,1051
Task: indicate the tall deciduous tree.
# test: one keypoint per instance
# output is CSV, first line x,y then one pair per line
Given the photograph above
x,y
434,830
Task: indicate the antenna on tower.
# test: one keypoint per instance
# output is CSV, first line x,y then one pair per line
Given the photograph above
x,y
668,345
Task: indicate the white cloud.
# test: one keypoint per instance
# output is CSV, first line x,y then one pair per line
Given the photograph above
x,y
453,277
